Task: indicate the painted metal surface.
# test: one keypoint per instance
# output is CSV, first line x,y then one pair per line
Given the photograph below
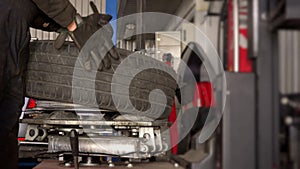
x,y
267,83
239,122
289,61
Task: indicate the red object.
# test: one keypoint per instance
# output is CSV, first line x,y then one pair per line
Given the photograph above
x,y
169,64
245,64
21,139
31,104
204,94
173,129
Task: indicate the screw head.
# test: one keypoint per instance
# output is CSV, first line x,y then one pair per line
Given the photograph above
x,y
176,165
264,16
288,120
31,132
284,101
67,165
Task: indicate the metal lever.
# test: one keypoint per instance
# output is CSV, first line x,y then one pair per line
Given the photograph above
x,y
60,40
94,7
74,147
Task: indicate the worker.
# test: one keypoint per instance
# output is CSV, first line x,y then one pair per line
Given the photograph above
x,y
15,19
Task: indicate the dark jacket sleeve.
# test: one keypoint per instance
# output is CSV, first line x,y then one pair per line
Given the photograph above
x,y
61,11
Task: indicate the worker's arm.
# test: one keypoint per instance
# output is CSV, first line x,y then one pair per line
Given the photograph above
x,y
78,28
61,11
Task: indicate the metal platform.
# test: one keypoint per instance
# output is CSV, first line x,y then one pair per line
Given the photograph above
x,y
92,122
54,164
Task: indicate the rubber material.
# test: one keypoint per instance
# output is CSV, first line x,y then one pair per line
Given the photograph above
x,y
50,76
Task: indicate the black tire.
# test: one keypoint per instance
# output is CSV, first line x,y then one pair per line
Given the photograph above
x,y
185,144
50,77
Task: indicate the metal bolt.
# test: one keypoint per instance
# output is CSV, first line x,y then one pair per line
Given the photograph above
x,y
176,165
284,101
31,132
110,164
288,120
129,165
147,136
264,16
67,165
144,148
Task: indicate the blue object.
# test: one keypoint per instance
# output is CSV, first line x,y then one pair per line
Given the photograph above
x,y
113,159
27,164
112,9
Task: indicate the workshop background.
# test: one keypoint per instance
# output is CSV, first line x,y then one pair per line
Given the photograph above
x,y
258,42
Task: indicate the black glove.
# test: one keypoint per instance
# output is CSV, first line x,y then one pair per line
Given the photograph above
x,y
86,27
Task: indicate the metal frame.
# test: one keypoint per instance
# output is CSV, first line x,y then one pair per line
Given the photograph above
x,y
236,34
238,125
267,82
50,164
140,41
65,122
285,14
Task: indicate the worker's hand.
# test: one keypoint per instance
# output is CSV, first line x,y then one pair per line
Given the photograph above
x,y
85,28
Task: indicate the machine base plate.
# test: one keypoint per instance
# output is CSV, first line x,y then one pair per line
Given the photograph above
x,y
55,164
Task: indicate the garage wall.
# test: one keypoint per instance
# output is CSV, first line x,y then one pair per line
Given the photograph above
x,y
82,7
289,61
